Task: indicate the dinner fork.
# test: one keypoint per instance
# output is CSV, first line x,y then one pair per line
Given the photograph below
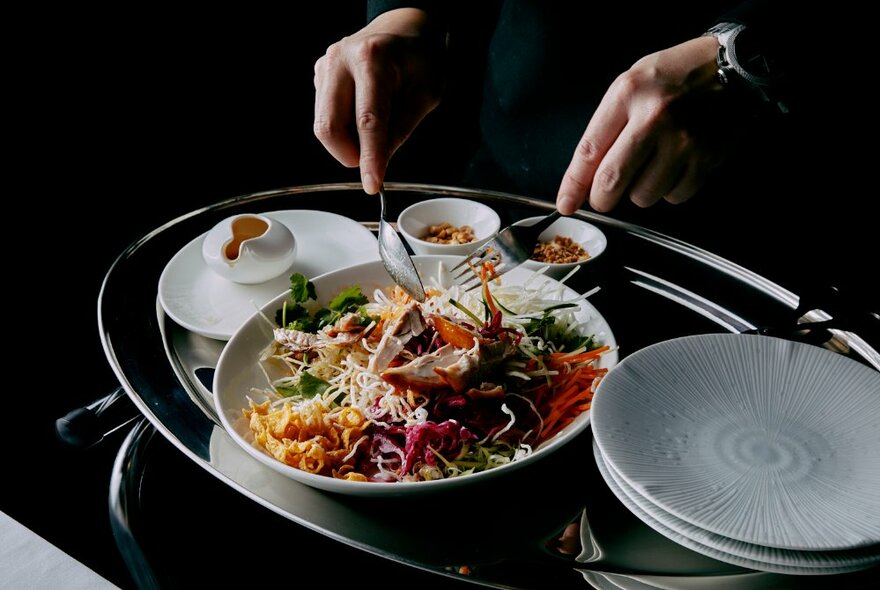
x,y
510,247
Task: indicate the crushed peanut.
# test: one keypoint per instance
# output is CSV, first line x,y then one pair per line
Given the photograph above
x,y
561,250
446,233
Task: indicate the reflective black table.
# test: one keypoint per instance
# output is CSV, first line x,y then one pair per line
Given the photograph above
x,y
555,525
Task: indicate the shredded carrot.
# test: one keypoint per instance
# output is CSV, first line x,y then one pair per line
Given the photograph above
x,y
567,393
565,408
570,392
546,434
566,357
487,273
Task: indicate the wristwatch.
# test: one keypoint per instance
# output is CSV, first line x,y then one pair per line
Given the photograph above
x,y
743,63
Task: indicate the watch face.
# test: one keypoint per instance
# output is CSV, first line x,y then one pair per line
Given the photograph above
x,y
747,55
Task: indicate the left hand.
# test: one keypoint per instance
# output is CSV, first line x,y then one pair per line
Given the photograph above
x,y
651,137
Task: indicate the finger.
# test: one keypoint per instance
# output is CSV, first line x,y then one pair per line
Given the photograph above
x,y
603,129
691,180
334,114
373,88
657,177
619,167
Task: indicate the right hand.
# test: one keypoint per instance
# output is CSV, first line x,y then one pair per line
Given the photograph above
x,y
373,88
657,134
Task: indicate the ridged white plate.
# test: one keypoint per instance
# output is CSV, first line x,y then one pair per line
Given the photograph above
x,y
856,558
758,439
614,484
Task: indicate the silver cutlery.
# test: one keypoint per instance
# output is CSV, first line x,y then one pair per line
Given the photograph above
x,y
395,257
510,247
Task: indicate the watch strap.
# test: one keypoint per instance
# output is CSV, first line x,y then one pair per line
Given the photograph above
x,y
723,31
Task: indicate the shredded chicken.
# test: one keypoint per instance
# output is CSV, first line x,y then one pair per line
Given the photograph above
x,y
333,335
421,373
407,325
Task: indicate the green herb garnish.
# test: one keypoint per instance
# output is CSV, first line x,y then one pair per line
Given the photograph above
x,y
294,316
550,330
304,385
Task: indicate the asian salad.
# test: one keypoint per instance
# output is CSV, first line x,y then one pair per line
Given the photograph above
x,y
388,389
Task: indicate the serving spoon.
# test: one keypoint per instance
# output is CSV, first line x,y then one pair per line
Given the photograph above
x,y
395,257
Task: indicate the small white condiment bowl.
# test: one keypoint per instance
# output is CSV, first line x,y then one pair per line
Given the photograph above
x,y
587,235
249,248
414,221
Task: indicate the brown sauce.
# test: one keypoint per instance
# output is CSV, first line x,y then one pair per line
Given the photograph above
x,y
244,228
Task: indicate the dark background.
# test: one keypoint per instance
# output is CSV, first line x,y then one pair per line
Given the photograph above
x,y
122,126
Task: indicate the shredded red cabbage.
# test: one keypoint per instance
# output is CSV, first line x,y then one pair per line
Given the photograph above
x,y
446,438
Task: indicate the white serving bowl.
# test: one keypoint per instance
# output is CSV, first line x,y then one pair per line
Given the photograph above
x,y
586,234
238,373
415,220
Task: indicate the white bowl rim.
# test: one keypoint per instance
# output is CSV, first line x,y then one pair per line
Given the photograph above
x,y
496,220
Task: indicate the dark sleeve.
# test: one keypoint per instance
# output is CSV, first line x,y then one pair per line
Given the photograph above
x,y
756,12
377,7
775,20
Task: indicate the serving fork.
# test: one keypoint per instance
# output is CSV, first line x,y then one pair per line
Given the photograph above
x,y
510,247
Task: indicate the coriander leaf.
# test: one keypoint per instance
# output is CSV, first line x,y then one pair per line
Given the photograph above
x,y
290,314
304,385
310,386
303,325
301,289
347,298
324,317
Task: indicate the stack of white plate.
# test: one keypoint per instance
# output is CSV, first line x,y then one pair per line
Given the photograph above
x,y
755,451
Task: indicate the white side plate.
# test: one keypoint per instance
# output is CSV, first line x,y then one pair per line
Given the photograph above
x,y
203,302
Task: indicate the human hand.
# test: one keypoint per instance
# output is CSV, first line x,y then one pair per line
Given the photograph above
x,y
651,137
373,88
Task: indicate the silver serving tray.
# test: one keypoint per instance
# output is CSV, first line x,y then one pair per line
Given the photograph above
x,y
653,288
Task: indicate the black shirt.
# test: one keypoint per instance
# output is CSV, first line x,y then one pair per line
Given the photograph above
x,y
548,64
